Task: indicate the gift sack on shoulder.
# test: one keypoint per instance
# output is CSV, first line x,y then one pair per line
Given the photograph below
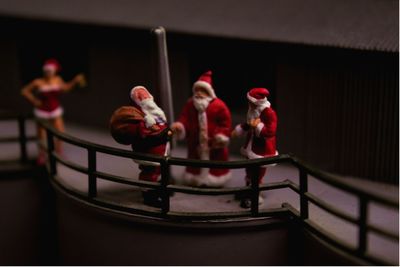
x,y
122,124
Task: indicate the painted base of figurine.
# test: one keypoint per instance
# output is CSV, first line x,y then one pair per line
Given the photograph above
x,y
246,202
245,199
152,198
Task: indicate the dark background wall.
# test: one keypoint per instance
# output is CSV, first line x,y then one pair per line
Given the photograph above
x,y
337,108
341,110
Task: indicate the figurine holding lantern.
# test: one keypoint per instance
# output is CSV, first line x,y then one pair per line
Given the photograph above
x,y
260,131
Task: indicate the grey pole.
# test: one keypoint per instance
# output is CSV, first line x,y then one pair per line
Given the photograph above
x,y
163,74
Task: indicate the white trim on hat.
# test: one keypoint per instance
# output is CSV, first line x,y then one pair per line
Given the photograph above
x,y
206,86
255,100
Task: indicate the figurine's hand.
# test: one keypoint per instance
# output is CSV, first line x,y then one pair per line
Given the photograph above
x,y
176,128
155,127
217,143
81,80
254,122
234,134
37,103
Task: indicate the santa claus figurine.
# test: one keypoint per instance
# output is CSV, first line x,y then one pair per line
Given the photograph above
x,y
260,131
143,125
205,123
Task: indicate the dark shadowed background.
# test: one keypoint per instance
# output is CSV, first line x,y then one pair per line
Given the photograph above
x,y
331,66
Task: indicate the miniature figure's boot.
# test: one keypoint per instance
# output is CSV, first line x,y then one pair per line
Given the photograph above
x,y
151,174
41,159
152,198
245,199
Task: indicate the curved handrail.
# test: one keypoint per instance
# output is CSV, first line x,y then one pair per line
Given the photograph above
x,y
336,182
236,164
165,162
22,138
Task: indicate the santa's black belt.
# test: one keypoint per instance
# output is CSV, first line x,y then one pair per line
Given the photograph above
x,y
156,139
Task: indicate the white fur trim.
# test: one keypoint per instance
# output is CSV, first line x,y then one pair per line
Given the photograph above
x,y
222,138
41,114
205,179
255,100
182,133
206,86
264,102
248,153
204,152
258,129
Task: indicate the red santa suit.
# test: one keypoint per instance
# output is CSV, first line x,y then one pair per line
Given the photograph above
x,y
49,95
202,129
261,140
129,125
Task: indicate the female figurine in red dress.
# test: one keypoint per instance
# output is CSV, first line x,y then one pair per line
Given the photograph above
x,y
43,93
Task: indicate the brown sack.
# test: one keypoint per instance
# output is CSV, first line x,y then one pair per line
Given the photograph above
x,y
122,124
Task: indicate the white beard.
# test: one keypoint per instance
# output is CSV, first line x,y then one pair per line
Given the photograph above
x,y
153,114
253,113
201,103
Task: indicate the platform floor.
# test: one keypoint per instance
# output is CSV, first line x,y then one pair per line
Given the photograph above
x,y
130,196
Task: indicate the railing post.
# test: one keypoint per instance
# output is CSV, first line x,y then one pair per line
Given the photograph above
x,y
22,139
92,176
303,189
254,193
165,175
50,150
362,222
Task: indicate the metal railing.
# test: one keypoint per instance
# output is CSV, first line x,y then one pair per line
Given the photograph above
x,y
165,189
22,138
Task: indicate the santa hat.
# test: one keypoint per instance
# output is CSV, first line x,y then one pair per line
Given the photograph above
x,y
205,82
52,63
132,93
258,96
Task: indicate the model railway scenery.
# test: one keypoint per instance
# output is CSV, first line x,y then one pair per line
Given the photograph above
x,y
210,133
